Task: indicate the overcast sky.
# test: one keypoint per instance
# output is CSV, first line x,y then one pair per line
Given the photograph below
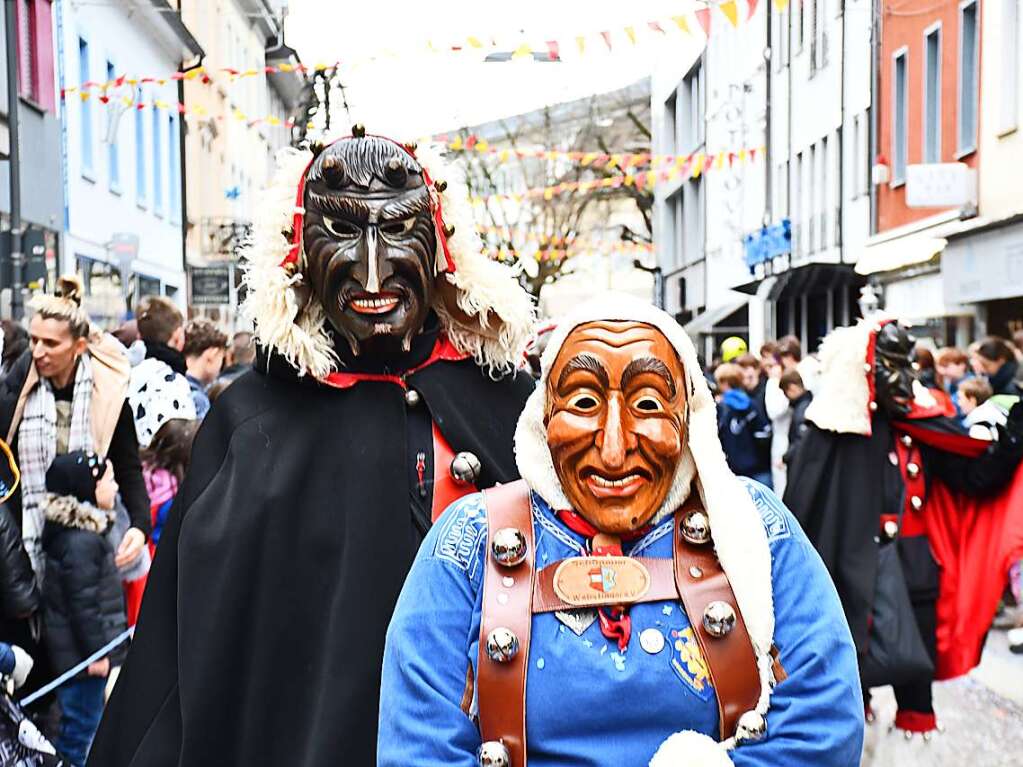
x,y
397,86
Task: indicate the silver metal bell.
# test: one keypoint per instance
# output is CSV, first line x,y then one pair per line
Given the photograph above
x,y
502,645
719,618
493,754
466,468
695,527
907,440
751,728
912,469
509,547
891,529
916,502
412,398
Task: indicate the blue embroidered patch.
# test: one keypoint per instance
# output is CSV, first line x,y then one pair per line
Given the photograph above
x,y
687,662
465,530
772,512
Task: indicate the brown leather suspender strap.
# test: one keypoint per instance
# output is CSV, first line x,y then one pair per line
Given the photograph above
x,y
507,597
730,658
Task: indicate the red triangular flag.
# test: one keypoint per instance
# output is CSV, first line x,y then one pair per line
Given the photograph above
x,y
607,39
553,50
703,16
655,27
752,9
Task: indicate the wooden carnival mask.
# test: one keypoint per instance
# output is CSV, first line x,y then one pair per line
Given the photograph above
x,y
616,421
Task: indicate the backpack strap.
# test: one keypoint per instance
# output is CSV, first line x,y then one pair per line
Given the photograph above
x,y
717,622
505,623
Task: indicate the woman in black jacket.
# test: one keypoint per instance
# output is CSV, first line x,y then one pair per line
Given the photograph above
x,y
82,596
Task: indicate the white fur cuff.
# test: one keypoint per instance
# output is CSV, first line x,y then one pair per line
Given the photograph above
x,y
691,749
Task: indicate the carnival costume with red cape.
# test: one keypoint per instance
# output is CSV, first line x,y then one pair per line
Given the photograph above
x,y
858,468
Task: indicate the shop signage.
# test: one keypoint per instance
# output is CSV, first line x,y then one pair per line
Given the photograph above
x,y
941,185
211,285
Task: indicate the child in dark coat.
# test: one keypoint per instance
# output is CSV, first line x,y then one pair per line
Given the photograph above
x,y
83,604
743,427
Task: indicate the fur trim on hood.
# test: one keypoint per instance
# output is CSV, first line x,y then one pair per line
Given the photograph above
x,y
497,314
68,511
844,399
736,527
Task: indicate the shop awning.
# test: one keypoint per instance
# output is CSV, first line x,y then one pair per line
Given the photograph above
x,y
705,322
899,253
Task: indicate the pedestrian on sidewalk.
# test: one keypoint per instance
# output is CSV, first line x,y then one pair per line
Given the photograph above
x,y
83,605
204,350
743,428
791,384
164,464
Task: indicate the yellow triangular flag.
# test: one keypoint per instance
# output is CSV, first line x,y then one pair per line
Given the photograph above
x,y
456,144
682,24
523,52
474,42
697,168
482,146
731,11
781,5
630,32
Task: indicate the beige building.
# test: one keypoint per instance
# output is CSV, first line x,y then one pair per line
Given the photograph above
x,y
236,124
982,266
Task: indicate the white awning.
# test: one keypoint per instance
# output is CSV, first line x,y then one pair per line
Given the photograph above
x,y
899,253
705,322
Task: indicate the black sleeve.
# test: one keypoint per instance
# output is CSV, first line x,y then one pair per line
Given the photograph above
x,y
79,573
124,452
19,595
978,477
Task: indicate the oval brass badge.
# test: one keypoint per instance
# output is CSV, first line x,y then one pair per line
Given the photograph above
x,y
588,581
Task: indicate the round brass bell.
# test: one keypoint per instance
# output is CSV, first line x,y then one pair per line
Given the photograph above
x,y
465,468
502,645
508,547
493,753
440,185
719,618
695,527
751,728
358,130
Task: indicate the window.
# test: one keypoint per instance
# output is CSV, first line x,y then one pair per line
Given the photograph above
x,y
797,205
140,151
113,160
1008,76
35,52
797,27
900,108
932,95
157,161
669,124
85,135
810,217
969,28
820,38
689,116
174,173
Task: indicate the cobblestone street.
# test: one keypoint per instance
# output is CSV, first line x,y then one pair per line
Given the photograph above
x,y
981,716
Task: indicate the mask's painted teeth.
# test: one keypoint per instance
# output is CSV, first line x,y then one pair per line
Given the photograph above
x,y
374,305
605,482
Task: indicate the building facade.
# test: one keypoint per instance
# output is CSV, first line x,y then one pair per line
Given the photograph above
x,y
982,266
237,123
41,187
928,127
122,143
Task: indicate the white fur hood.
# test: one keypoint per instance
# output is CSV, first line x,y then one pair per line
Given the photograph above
x,y
738,533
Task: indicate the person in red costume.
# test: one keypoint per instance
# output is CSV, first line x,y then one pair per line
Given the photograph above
x,y
917,522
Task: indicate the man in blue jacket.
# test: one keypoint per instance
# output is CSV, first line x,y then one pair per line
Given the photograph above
x,y
624,477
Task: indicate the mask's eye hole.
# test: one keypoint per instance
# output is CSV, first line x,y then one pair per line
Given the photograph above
x,y
648,405
583,402
397,228
343,230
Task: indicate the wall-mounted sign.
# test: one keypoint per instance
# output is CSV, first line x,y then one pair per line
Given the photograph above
x,y
941,185
211,285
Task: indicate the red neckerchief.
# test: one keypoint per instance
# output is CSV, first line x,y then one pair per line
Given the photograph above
x,y
443,350
615,623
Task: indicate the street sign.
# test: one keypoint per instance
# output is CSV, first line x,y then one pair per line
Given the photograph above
x,y
211,285
33,247
941,185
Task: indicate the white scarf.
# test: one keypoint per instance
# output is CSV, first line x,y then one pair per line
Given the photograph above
x,y
37,447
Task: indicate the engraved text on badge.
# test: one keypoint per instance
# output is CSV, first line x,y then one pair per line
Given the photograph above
x,y
586,581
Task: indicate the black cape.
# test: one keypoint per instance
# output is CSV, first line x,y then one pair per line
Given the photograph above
x,y
840,484
262,631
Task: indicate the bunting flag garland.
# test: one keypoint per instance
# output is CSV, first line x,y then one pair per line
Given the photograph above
x,y
575,248
703,11
689,167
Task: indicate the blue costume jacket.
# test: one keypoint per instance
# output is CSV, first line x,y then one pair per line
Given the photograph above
x,y
588,704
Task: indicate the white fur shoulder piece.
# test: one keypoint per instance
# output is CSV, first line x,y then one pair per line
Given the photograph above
x,y
691,749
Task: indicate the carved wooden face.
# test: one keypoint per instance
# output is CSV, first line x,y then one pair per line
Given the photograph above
x,y
370,241
616,421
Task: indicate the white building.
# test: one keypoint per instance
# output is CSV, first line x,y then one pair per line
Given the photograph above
x,y
123,166
785,228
